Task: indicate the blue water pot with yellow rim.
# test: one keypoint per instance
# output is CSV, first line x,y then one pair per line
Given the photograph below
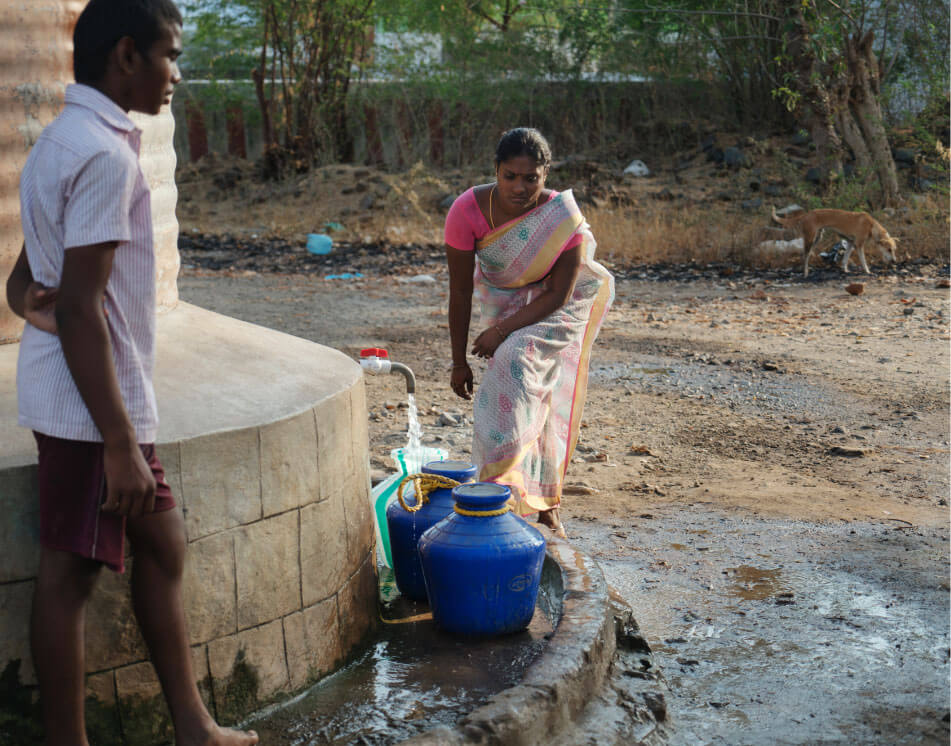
x,y
482,564
408,517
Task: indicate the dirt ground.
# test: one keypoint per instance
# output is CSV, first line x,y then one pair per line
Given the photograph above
x,y
763,469
734,427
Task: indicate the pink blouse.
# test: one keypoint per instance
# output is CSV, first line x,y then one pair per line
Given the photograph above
x,y
465,223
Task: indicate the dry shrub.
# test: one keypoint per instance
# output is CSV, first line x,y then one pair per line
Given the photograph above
x,y
671,233
720,233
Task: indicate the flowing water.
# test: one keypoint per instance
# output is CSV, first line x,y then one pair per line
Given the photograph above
x,y
414,429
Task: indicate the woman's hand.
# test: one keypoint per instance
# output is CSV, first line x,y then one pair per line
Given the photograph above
x,y
488,342
461,380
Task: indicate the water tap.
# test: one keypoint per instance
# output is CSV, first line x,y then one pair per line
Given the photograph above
x,y
377,360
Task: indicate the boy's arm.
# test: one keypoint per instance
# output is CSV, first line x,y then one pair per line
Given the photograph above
x,y
29,299
81,321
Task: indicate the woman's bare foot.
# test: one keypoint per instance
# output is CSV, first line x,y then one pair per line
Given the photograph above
x,y
552,520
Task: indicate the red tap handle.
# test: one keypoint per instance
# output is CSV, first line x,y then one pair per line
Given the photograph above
x,y
374,352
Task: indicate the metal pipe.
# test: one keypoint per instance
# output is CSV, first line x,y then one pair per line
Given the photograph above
x,y
407,374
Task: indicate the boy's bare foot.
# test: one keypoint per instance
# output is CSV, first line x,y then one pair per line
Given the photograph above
x,y
224,737
552,520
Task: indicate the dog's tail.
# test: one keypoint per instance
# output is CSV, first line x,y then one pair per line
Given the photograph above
x,y
776,217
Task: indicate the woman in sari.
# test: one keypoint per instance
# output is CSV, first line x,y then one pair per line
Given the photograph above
x,y
527,255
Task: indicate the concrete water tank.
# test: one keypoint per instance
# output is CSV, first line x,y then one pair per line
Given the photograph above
x,y
264,439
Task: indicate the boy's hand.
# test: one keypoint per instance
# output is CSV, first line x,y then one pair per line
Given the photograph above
x,y
39,307
130,484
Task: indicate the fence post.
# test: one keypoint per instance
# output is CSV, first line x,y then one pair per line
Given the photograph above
x,y
234,121
374,138
197,132
436,133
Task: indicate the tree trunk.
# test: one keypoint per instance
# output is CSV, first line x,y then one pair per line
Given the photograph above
x,y
864,84
817,114
845,123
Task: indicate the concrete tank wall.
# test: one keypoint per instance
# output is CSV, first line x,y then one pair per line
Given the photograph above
x,y
264,440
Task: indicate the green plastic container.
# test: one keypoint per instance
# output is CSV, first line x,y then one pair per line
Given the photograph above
x,y
409,462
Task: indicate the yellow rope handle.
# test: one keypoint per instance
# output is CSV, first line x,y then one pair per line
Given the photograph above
x,y
481,513
423,484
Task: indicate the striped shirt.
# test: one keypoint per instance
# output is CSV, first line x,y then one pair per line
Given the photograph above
x,y
82,185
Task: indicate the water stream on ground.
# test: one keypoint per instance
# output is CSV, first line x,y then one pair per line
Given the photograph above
x,y
410,677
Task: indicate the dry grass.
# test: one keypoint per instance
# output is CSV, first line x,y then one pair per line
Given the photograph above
x,y
714,233
406,209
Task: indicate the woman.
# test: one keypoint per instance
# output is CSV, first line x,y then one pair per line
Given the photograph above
x,y
528,255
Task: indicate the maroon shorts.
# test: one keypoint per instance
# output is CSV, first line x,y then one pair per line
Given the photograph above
x,y
72,484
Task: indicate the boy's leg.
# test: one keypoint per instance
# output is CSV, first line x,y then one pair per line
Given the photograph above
x,y
158,542
57,631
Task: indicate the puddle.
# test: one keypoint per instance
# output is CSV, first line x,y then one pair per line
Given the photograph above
x,y
792,632
754,584
411,677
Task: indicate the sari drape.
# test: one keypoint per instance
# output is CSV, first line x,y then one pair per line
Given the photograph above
x,y
528,407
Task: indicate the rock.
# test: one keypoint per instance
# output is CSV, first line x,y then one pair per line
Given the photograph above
x,y
578,488
814,175
769,365
944,282
709,142
637,168
664,195
908,310
735,158
801,138
418,279
847,451
839,430
751,204
781,247
904,155
772,190
446,201
782,212
367,202
448,419
855,288
715,155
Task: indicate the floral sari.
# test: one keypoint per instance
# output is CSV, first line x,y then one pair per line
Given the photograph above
x,y
528,407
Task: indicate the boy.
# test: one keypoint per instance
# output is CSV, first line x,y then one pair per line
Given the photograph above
x,y
84,377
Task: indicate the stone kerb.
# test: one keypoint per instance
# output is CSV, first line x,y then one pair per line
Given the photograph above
x,y
280,578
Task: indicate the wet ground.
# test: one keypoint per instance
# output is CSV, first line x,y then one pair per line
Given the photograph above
x,y
786,632
409,678
762,475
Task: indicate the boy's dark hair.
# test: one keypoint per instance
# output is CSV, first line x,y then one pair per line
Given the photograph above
x,y
103,22
523,141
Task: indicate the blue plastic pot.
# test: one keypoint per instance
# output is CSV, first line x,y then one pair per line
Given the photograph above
x,y
482,566
405,527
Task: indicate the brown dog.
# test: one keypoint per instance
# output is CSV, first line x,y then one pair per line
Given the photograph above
x,y
858,228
